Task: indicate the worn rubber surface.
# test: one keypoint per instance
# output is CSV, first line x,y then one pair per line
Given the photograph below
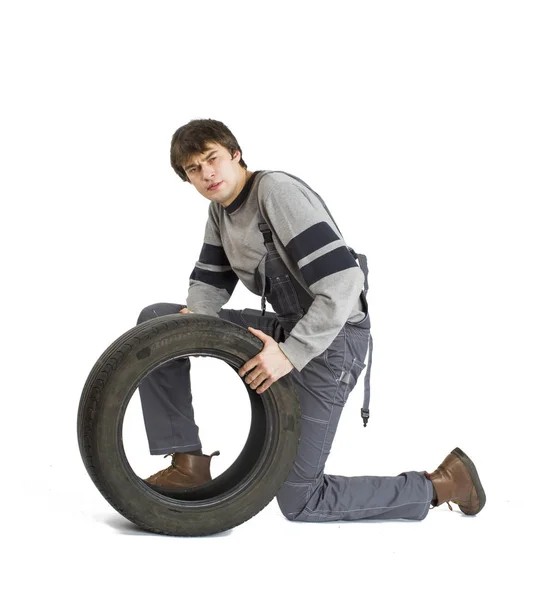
x,y
233,497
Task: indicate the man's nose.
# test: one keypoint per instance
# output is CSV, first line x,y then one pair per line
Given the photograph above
x,y
207,171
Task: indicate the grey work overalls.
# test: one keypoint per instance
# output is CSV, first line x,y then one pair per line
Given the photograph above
x,y
323,386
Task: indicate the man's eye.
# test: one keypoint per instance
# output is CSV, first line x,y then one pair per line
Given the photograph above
x,y
192,170
212,158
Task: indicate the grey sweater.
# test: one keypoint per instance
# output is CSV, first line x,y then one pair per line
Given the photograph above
x,y
308,243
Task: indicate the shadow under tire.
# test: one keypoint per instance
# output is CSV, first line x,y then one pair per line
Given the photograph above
x,y
238,493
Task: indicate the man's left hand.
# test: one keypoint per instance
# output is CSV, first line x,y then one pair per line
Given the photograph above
x,y
268,366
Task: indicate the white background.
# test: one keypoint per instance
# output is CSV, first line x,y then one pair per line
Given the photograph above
x,y
427,128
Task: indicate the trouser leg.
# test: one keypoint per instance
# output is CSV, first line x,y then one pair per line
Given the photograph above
x,y
323,387
166,398
309,494
165,394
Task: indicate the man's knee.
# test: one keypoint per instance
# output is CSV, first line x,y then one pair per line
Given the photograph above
x,y
292,499
147,313
158,310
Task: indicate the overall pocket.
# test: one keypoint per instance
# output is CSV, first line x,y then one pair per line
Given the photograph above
x,y
282,295
348,379
343,366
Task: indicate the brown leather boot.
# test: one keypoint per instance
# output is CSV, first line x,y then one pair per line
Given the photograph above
x,y
456,480
186,471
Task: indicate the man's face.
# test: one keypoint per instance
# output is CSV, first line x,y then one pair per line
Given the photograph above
x,y
216,174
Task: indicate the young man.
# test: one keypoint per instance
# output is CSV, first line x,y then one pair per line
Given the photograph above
x,y
273,232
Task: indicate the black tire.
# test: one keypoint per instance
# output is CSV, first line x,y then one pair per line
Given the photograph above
x,y
233,497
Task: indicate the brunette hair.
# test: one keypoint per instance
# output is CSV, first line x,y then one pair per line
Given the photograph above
x,y
193,138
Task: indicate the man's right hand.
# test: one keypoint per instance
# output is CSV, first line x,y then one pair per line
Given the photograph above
x,y
185,310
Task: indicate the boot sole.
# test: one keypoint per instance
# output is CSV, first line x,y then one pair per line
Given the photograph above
x,y
176,493
475,479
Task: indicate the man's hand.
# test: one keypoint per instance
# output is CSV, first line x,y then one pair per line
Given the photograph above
x,y
268,366
184,310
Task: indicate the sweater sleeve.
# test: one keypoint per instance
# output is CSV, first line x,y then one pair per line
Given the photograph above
x,y
212,281
312,242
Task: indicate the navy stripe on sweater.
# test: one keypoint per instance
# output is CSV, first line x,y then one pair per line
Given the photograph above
x,y
220,279
314,237
337,260
213,255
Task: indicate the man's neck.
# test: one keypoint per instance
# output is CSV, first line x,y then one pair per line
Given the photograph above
x,y
246,178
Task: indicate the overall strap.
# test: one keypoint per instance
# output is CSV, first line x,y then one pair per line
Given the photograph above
x,y
267,237
311,189
360,257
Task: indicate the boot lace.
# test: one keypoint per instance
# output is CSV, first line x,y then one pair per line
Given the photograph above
x,y
167,470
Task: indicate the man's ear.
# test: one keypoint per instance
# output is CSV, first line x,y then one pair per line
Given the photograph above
x,y
236,154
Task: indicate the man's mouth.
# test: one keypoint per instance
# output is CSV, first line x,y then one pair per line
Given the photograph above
x,y
214,186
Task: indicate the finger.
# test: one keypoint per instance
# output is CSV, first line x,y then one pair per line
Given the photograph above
x,y
259,381
254,376
265,386
248,366
258,333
